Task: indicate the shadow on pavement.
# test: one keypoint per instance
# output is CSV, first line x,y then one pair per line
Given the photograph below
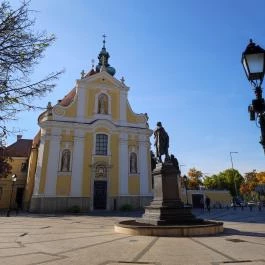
x,y
231,215
230,231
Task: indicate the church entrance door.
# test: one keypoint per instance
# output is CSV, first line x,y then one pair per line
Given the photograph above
x,y
100,194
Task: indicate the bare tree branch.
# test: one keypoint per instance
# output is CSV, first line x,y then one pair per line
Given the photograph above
x,y
21,49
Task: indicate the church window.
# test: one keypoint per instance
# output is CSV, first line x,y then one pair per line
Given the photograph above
x,y
24,166
101,144
65,160
103,104
133,163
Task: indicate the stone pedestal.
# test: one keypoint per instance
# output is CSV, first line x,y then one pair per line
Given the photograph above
x,y
166,207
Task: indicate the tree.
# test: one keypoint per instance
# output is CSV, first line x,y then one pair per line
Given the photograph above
x,y
225,180
217,182
21,48
195,176
210,182
5,167
231,180
261,177
252,183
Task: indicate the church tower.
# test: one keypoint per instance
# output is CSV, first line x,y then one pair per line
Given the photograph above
x,y
93,151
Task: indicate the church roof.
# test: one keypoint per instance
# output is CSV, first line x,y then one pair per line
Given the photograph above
x,y
66,101
91,72
21,148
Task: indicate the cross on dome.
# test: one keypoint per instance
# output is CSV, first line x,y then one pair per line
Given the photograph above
x,y
104,39
103,58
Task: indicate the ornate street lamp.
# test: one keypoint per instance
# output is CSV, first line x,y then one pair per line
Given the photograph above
x,y
253,61
14,179
185,180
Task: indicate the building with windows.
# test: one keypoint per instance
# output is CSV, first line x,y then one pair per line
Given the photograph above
x,y
18,156
93,151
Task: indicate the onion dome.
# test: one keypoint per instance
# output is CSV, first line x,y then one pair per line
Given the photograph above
x,y
103,58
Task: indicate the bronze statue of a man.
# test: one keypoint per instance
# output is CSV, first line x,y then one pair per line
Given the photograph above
x,y
161,142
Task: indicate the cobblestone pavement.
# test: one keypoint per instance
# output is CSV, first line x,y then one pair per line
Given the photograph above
x,y
29,239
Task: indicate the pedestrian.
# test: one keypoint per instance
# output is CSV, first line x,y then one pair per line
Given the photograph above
x,y
208,203
202,204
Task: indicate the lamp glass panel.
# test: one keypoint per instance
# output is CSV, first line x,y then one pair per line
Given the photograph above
x,y
245,66
255,63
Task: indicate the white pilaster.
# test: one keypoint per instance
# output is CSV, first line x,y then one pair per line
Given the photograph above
x,y
81,102
39,167
123,106
123,164
77,168
52,165
144,164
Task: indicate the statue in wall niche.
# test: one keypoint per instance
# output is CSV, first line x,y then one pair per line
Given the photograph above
x,y
65,161
133,163
103,104
161,142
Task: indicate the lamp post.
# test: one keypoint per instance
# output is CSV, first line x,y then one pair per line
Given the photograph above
x,y
14,179
253,61
231,158
185,179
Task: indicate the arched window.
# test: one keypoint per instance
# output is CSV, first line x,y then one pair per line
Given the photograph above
x,y
101,144
133,163
65,160
103,104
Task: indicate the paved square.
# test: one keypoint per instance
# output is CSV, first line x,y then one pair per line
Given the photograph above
x,y
90,240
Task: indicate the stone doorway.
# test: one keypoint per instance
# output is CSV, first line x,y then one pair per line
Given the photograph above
x,y
100,195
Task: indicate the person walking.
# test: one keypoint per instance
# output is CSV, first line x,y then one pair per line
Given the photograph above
x,y
202,204
208,203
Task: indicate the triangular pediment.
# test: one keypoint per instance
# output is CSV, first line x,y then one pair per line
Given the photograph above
x,y
104,79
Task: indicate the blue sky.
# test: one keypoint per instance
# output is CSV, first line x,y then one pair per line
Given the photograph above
x,y
181,60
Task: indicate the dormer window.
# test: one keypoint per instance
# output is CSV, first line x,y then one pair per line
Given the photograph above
x,y
103,104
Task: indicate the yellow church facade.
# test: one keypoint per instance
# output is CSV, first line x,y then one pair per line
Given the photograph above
x,y
93,150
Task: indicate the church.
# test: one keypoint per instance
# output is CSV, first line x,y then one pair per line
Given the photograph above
x,y
93,151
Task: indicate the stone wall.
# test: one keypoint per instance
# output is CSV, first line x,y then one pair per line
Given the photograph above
x,y
67,204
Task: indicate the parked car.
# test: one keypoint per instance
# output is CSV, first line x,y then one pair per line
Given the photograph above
x,y
252,203
238,204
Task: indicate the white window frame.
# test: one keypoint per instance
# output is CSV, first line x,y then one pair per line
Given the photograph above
x,y
108,144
